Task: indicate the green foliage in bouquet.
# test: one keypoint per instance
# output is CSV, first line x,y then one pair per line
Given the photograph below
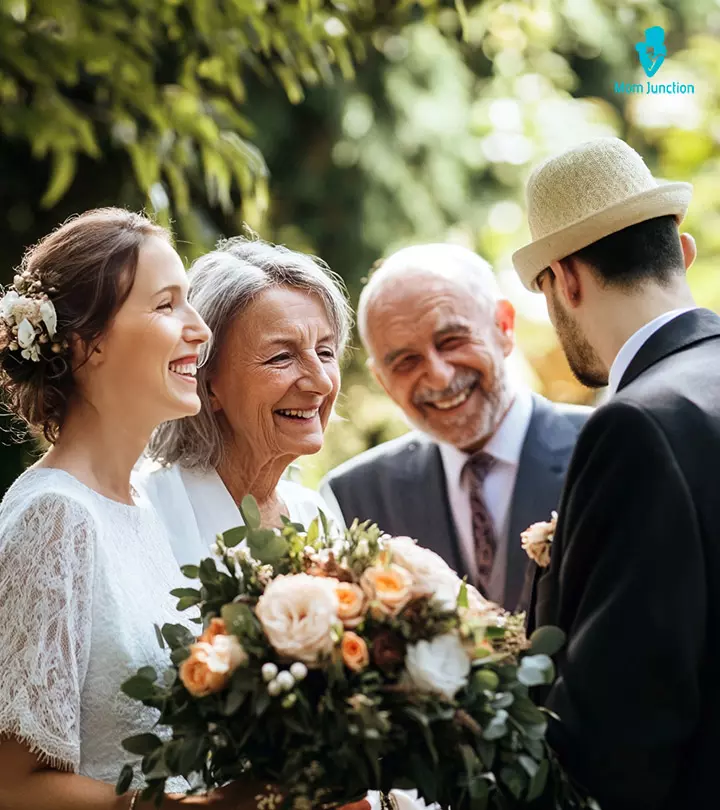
x,y
334,663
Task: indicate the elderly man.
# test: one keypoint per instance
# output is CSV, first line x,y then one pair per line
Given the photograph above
x,y
487,458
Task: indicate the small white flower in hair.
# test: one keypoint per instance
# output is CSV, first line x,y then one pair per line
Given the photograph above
x,y
7,303
25,335
49,316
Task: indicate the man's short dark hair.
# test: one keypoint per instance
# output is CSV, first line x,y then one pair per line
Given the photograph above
x,y
648,251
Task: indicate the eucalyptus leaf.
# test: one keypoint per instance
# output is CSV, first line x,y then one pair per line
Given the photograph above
x,y
528,764
138,688
190,571
180,592
187,602
233,537
515,779
250,512
535,670
208,572
238,618
148,673
267,546
159,637
177,635
547,640
538,781
141,744
497,727
178,655
124,780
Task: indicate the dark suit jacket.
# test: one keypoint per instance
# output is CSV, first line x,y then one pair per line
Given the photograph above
x,y
634,580
400,485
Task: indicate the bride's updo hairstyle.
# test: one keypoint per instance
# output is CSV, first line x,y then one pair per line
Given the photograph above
x,y
67,289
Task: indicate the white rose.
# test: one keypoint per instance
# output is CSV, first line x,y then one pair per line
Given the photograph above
x,y
7,302
440,665
227,654
49,316
26,334
430,573
298,614
405,799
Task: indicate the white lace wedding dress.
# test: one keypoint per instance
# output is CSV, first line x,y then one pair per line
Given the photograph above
x,y
82,580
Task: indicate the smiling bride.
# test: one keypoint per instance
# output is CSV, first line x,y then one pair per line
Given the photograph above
x,y
268,381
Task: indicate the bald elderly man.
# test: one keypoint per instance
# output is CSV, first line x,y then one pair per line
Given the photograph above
x,y
487,457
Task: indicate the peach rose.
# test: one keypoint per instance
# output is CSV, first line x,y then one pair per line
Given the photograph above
x,y
537,540
354,652
210,665
352,604
215,628
389,586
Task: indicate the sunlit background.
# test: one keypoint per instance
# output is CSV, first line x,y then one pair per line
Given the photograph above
x,y
347,130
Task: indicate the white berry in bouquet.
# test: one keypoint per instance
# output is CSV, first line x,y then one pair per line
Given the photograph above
x,y
269,671
298,614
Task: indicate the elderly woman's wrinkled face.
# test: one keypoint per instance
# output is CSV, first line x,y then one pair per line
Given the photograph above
x,y
278,375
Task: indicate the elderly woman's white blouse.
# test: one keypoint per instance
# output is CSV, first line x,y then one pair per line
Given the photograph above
x,y
196,506
82,581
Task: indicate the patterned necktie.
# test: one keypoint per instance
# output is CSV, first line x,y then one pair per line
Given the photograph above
x,y
478,466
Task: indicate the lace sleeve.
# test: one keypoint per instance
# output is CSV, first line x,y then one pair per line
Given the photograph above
x,y
46,576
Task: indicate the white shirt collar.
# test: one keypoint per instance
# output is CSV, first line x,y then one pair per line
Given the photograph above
x,y
634,343
505,445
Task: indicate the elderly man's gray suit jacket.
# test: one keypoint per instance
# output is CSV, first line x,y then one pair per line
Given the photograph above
x,y
400,485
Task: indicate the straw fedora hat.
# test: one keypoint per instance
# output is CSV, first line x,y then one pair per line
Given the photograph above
x,y
586,193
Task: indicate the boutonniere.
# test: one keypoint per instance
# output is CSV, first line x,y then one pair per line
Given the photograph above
x,y
537,539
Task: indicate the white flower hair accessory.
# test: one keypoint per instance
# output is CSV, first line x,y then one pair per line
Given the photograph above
x,y
29,318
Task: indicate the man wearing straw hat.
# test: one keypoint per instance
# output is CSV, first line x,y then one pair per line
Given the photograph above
x,y
634,573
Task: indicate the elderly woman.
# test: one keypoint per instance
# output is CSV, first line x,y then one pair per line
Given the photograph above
x,y
267,381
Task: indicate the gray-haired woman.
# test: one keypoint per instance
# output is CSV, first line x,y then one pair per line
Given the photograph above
x,y
267,381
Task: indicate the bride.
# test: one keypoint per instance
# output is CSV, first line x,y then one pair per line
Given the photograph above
x,y
96,336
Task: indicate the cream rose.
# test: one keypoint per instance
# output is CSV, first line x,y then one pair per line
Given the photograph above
x,y
441,665
352,604
430,573
390,587
298,614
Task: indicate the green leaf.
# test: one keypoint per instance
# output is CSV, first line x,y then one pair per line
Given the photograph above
x,y
486,752
138,688
313,531
528,764
486,680
250,512
147,672
239,619
462,598
497,727
178,655
526,712
177,635
515,779
324,522
235,700
538,781
535,670
261,703
188,602
267,546
233,537
158,636
208,572
62,173
192,754
547,640
124,780
179,592
190,571
479,793
503,700
141,744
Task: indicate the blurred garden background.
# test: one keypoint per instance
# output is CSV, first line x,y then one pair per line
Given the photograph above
x,y
347,129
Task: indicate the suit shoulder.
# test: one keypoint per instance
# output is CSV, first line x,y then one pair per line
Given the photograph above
x,y
577,414
385,456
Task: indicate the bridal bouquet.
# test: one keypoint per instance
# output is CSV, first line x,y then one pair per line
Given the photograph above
x,y
332,665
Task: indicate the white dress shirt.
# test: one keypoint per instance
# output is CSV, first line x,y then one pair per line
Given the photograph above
x,y
634,343
505,446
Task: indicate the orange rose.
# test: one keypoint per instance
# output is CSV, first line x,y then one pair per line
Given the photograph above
x,y
215,628
351,604
210,665
389,586
354,652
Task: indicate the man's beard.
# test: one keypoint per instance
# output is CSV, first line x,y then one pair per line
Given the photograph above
x,y
582,358
474,429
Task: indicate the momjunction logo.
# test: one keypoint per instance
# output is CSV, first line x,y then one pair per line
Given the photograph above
x,y
652,52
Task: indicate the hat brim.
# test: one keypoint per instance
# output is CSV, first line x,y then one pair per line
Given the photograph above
x,y
663,200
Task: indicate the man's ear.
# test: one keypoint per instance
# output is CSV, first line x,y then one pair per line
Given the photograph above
x,y
505,322
689,249
568,280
